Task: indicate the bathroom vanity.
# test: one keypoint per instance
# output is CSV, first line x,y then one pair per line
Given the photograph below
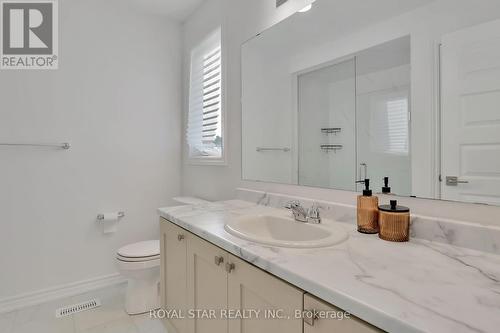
x,y
411,287
330,99
198,275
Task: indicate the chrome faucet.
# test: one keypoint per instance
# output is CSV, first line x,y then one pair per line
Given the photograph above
x,y
312,215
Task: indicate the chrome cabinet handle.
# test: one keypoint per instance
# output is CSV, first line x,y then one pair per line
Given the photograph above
x,y
230,267
180,237
218,260
310,316
454,181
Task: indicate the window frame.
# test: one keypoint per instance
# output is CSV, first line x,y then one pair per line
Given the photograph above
x,y
208,160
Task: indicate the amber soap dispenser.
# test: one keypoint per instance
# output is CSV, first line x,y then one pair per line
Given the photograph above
x,y
394,222
367,210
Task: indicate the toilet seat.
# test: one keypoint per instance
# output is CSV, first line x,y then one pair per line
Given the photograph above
x,y
139,259
140,250
137,265
147,251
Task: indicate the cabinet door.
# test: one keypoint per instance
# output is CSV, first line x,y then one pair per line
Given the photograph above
x,y
174,271
250,288
207,286
346,325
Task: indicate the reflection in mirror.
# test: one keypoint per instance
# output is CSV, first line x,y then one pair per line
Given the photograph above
x,y
346,91
382,115
470,115
356,113
352,122
327,126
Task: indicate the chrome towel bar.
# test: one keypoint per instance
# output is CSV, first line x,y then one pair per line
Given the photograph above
x,y
331,147
64,145
331,130
285,149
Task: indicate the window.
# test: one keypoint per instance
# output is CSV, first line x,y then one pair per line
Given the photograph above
x,y
397,123
389,126
205,134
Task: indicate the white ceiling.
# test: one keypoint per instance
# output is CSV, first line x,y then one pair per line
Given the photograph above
x,y
328,21
175,9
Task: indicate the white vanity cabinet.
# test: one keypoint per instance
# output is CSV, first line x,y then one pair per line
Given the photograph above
x,y
207,286
173,247
218,281
329,321
276,300
201,278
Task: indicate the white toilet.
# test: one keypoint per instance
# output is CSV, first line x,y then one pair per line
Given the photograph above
x,y
140,264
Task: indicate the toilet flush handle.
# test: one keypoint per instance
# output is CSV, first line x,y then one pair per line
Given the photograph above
x,y
180,237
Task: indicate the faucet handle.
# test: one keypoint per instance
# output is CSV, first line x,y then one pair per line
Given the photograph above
x,y
313,213
292,204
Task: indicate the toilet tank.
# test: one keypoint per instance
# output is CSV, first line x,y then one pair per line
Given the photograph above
x,y
189,201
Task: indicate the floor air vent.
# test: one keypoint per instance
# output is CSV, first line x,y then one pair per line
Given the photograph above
x,y
69,310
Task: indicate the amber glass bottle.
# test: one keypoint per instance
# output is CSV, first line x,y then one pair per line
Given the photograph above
x,y
367,211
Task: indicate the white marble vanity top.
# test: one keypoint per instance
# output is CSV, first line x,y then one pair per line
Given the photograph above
x,y
420,286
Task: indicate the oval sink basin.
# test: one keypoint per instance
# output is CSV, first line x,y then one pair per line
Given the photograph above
x,y
285,232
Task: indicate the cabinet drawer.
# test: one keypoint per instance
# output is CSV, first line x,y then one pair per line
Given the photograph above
x,y
331,325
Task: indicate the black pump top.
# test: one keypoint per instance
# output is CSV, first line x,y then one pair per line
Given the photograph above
x,y
366,192
394,208
386,189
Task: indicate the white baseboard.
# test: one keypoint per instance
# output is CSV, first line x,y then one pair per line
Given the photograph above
x,y
67,290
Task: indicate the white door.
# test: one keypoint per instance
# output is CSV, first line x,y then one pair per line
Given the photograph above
x,y
470,120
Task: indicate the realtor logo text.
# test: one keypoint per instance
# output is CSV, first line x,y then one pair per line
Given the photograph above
x,y
29,38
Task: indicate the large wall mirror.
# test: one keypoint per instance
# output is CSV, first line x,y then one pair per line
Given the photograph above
x,y
324,111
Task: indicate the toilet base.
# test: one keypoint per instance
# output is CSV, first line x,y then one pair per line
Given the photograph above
x,y
143,290
142,297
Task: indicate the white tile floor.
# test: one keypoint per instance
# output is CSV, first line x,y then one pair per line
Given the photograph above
x,y
110,317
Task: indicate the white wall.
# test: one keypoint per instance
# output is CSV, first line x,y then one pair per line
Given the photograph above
x,y
116,98
242,19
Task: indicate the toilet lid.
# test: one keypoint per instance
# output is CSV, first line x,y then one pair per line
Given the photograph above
x,y
141,249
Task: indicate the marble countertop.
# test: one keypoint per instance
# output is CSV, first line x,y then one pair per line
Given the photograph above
x,y
420,286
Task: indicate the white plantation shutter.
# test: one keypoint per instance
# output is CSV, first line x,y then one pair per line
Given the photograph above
x,y
204,132
397,121
389,126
